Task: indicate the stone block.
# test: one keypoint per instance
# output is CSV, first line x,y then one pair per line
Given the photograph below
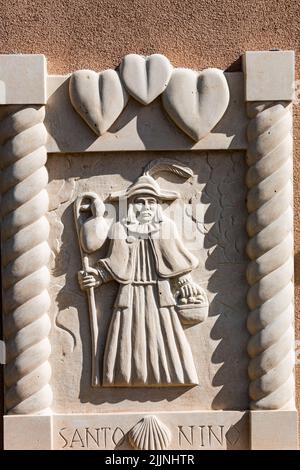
x,y
274,430
23,79
269,75
27,432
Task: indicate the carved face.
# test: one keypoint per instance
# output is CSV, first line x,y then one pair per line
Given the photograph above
x,y
145,208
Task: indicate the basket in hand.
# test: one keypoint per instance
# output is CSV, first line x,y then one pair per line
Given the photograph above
x,y
193,311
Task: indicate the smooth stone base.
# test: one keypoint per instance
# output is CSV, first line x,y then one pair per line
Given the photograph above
x,y
274,430
28,432
193,430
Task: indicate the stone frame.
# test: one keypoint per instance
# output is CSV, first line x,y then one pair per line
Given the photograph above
x,y
25,89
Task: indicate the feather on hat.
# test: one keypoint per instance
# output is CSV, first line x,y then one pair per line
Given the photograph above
x,y
147,185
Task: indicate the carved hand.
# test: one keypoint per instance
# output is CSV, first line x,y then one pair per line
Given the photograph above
x,y
89,278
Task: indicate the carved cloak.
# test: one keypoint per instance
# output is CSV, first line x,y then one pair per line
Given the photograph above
x,y
171,257
146,344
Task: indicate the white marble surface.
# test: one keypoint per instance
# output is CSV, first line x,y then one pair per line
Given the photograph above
x,y
270,75
23,79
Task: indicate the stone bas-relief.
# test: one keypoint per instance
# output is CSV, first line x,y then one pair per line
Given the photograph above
x,y
212,230
182,430
194,101
145,344
150,434
170,343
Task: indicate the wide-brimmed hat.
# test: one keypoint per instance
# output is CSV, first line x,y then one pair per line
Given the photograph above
x,y
145,185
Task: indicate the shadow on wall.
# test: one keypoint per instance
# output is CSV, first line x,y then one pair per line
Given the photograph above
x,y
152,125
226,242
297,268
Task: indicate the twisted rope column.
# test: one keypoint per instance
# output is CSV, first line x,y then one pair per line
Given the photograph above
x,y
270,272
25,254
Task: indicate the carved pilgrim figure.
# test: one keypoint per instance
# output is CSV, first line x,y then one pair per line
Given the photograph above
x,y
146,344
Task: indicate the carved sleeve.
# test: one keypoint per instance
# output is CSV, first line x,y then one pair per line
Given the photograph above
x,y
104,275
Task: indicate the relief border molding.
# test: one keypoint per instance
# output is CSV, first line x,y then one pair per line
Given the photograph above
x,y
269,92
269,81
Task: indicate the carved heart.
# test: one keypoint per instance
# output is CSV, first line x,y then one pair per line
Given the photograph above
x,y
145,77
99,98
196,101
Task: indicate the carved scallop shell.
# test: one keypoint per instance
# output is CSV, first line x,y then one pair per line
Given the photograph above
x,y
149,434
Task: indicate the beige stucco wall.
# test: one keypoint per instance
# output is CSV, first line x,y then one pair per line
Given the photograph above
x,y
76,34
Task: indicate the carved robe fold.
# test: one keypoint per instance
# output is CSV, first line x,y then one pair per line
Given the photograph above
x,y
146,344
